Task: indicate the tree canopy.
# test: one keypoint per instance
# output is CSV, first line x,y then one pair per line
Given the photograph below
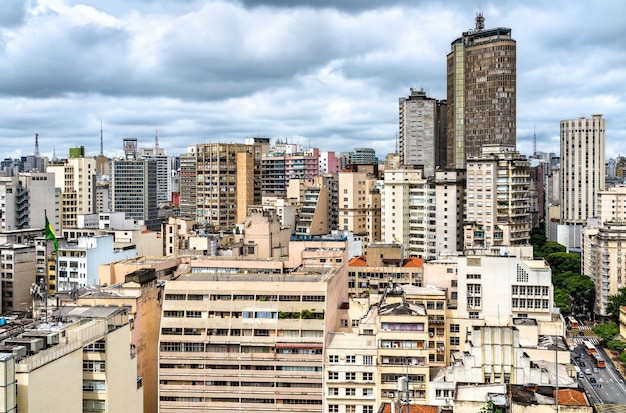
x,y
615,302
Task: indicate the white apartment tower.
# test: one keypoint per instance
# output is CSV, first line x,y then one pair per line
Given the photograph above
x,y
409,213
582,167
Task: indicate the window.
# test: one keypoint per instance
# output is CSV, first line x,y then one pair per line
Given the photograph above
x,y
350,376
368,376
333,391
96,386
368,392
350,359
368,360
454,341
333,408
454,328
344,323
333,358
350,392
368,409
333,375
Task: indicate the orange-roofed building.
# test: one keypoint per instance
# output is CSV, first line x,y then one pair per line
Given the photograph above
x,y
413,408
381,266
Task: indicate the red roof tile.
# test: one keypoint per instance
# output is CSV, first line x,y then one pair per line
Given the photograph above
x,y
358,261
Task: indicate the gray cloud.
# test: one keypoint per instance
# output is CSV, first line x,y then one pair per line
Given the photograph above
x,y
323,73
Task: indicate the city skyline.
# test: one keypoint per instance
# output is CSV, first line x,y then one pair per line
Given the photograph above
x,y
203,72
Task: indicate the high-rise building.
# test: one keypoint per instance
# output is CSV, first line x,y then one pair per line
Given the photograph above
x,y
602,246
408,212
422,131
359,205
76,177
582,167
481,91
134,187
218,182
497,198
164,170
450,207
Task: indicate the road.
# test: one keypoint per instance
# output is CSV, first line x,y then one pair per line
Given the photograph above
x,y
608,389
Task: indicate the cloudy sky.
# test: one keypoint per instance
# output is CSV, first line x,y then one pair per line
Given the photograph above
x,y
321,73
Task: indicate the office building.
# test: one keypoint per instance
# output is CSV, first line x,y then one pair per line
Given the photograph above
x,y
582,167
359,206
481,85
422,131
449,210
134,187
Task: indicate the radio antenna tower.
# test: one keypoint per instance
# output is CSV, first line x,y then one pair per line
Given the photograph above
x,y
101,144
156,140
534,140
37,145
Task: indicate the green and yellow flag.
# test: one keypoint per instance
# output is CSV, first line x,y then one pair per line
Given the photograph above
x,y
50,235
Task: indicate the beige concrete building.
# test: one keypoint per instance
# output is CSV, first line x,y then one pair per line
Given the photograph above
x,y
141,296
165,267
218,183
176,233
481,91
497,198
239,339
81,363
76,178
359,205
262,235
603,237
17,276
380,266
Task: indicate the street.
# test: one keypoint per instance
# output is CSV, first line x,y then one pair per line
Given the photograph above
x,y
608,389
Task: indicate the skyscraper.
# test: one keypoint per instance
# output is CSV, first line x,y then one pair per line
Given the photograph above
x,y
582,167
422,133
481,92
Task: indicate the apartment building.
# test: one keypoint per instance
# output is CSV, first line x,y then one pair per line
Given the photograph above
x,y
449,210
497,198
239,339
17,266
81,363
76,178
360,205
409,212
603,237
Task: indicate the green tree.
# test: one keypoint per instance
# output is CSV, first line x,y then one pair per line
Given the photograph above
x,y
615,302
561,300
550,247
537,238
606,331
562,262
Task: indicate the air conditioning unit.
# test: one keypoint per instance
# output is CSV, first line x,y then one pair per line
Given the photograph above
x,y
431,334
396,345
440,348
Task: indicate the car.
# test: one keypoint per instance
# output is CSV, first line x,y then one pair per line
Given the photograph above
x,y
581,333
588,372
582,364
592,380
581,375
595,369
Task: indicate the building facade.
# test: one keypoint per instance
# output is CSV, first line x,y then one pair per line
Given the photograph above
x,y
422,131
481,82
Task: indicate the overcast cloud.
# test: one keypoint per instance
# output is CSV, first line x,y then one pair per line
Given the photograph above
x,y
321,73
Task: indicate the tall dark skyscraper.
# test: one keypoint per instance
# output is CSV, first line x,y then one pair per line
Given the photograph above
x,y
481,92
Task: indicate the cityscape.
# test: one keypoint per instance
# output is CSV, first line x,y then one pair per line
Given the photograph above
x,y
442,270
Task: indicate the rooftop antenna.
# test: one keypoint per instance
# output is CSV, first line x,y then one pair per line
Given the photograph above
x,y
101,145
37,145
156,140
480,21
534,140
